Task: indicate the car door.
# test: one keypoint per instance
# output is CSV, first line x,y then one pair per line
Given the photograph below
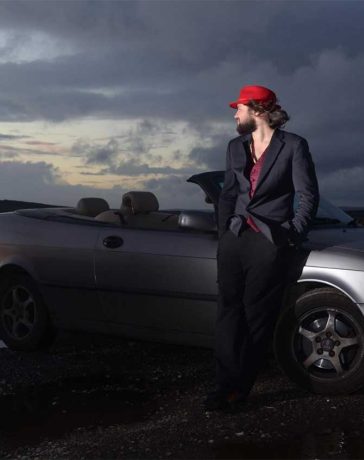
x,y
61,251
163,280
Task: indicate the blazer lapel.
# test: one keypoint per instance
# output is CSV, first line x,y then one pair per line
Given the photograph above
x,y
273,149
244,158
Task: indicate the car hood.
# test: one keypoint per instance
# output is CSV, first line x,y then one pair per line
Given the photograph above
x,y
336,248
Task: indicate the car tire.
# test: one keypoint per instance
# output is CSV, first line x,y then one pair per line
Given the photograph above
x,y
319,342
24,319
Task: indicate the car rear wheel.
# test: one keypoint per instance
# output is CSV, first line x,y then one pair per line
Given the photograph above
x,y
24,318
319,342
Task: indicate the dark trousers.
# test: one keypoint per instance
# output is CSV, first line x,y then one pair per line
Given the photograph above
x,y
251,285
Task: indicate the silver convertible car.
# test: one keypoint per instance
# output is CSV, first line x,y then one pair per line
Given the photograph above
x,y
147,273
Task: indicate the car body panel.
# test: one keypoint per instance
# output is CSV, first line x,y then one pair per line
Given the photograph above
x,y
159,284
340,248
349,282
131,286
59,256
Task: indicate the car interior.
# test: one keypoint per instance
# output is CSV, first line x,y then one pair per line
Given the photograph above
x,y
139,209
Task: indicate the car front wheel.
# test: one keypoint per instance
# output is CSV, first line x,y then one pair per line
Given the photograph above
x,y
24,319
319,342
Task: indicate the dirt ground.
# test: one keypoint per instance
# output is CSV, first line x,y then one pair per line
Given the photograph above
x,y
97,397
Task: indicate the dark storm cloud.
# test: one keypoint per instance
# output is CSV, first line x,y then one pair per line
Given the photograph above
x,y
210,158
179,59
81,20
184,61
298,30
10,151
10,137
134,168
344,186
42,182
95,154
202,30
104,155
129,153
174,192
140,139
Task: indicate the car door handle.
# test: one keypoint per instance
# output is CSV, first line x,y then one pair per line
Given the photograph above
x,y
113,242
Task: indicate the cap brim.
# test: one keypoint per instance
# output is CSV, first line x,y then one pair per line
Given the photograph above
x,y
234,105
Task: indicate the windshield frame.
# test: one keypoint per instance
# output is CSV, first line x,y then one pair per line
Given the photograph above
x,y
212,181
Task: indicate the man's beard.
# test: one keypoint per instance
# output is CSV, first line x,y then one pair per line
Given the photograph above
x,y
246,128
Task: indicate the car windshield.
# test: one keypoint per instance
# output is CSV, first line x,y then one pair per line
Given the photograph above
x,y
327,213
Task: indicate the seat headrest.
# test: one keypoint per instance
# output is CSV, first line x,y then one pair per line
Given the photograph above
x,y
137,202
91,206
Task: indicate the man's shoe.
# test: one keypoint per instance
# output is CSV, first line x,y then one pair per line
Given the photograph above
x,y
236,402
224,400
215,400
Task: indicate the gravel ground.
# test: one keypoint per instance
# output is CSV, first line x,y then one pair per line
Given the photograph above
x,y
106,398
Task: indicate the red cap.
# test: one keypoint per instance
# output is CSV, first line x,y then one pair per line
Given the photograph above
x,y
255,93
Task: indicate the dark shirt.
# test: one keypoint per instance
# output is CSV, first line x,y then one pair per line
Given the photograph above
x,y
254,176
236,221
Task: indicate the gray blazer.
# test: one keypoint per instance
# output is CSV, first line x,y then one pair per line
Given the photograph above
x,y
287,168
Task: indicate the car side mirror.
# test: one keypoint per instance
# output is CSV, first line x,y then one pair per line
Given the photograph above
x,y
197,220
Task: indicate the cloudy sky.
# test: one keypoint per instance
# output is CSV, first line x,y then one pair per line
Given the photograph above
x,y
101,97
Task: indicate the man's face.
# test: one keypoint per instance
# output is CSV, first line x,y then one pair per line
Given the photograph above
x,y
245,121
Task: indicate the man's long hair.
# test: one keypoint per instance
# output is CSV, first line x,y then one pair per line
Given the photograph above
x,y
276,116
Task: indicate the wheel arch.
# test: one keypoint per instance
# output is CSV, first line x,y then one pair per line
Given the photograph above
x,y
295,290
292,362
12,268
46,330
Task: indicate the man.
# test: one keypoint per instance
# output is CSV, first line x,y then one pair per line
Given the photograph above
x,y
258,230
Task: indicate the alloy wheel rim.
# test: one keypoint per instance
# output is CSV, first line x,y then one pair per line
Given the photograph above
x,y
18,312
327,343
